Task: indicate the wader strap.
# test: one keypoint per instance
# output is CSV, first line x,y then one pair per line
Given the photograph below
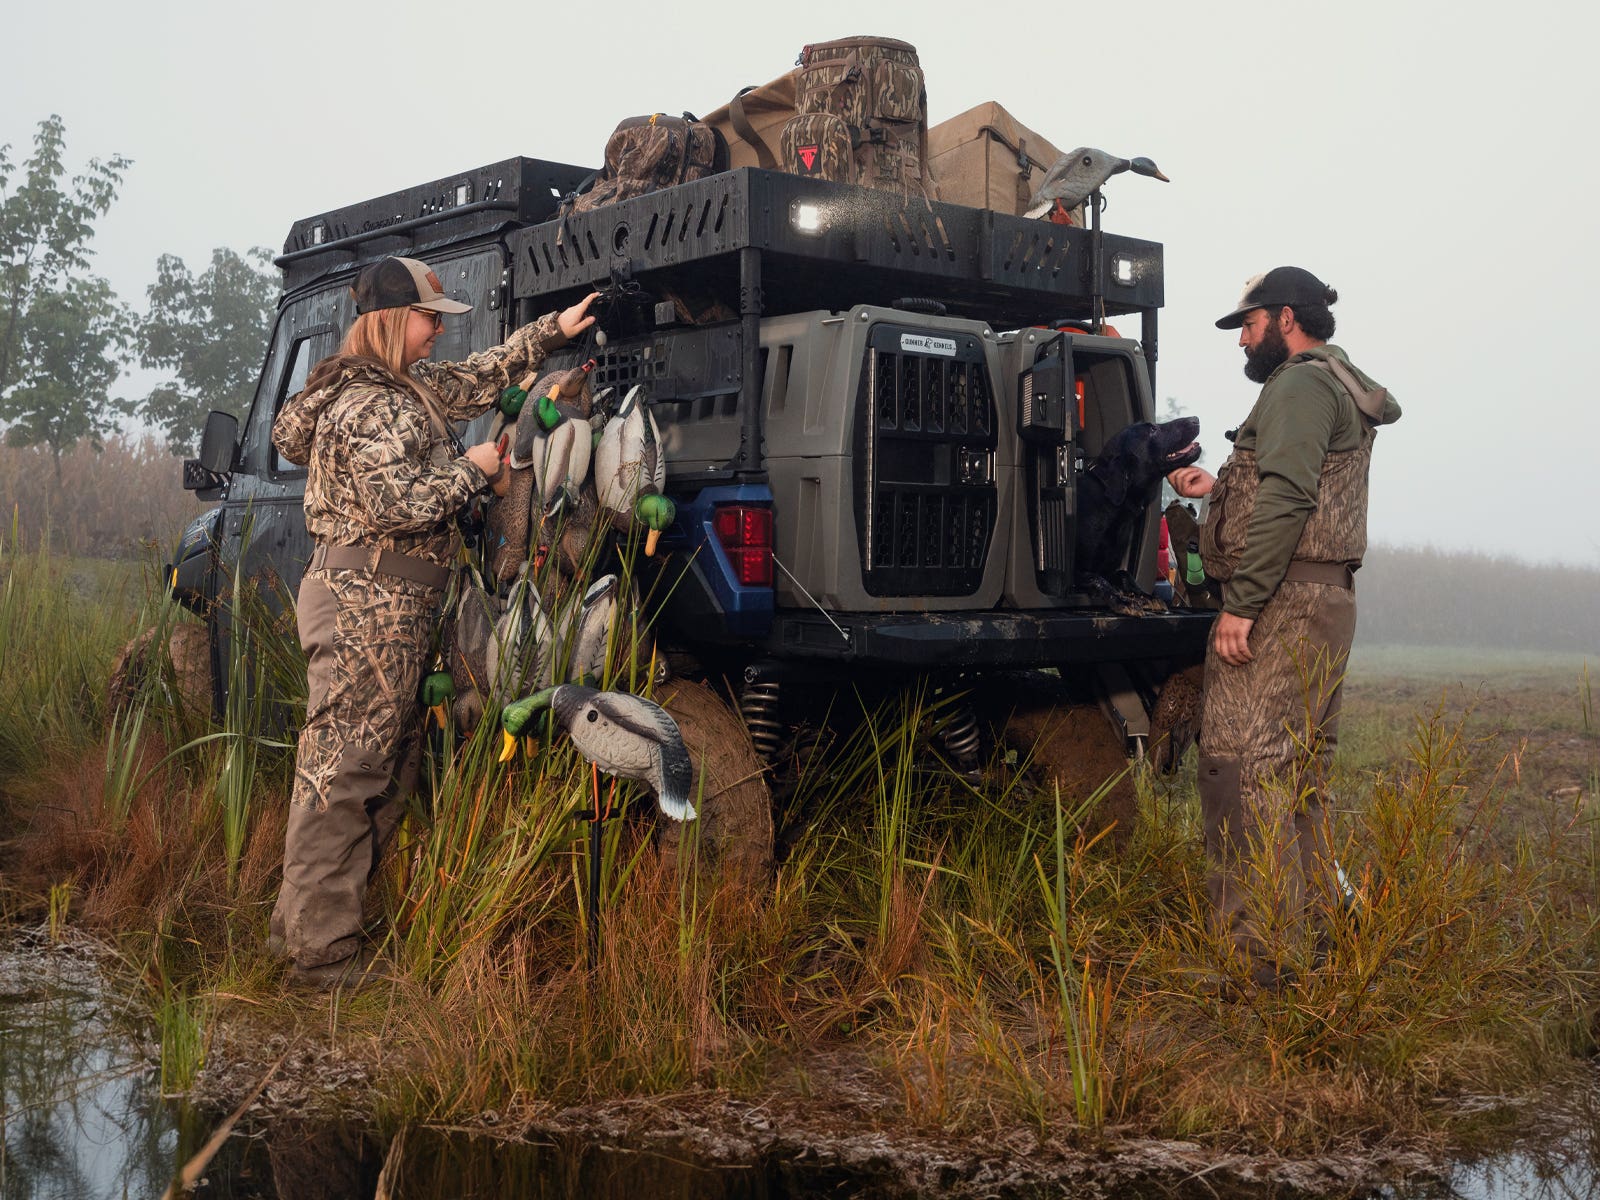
x,y
374,561
1332,574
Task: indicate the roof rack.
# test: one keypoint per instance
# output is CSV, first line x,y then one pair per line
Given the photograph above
x,y
872,247
518,191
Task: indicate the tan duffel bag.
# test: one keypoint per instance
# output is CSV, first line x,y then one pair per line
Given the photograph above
x,y
752,122
986,158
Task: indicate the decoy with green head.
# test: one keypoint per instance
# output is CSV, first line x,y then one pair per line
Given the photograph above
x,y
621,734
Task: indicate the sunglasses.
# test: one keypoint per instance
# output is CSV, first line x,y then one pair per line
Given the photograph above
x,y
436,317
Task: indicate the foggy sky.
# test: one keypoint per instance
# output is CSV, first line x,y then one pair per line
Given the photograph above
x,y
1434,162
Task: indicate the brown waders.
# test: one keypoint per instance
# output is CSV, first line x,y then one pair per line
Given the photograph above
x,y
366,637
1266,741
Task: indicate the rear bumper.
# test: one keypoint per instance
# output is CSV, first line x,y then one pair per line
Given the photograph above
x,y
991,639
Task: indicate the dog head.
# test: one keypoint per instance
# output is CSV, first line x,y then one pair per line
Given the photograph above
x,y
1138,457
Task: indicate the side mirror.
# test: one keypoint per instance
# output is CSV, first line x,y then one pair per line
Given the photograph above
x,y
219,441
206,475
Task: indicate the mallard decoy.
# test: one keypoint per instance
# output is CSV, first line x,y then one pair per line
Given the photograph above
x,y
519,644
621,734
630,470
558,448
582,628
1076,174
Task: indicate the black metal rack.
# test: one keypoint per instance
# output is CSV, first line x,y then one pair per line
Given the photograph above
x,y
515,191
822,242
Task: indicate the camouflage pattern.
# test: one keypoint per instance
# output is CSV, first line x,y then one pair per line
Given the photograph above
x,y
366,642
873,90
1267,738
382,466
384,470
645,154
817,145
1335,532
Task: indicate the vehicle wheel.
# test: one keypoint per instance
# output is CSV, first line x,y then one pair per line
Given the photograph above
x,y
188,688
730,787
1069,744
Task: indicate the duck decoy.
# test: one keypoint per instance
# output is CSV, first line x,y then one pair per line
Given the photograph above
x,y
581,633
630,470
621,734
1078,173
519,643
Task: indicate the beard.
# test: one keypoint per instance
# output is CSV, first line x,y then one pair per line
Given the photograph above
x,y
1270,353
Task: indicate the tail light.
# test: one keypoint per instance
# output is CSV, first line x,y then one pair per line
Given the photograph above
x,y
746,535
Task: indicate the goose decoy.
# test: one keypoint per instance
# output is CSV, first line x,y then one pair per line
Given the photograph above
x,y
630,470
1069,182
621,734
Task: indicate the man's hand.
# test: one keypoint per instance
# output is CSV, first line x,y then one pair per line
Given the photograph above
x,y
1192,482
573,321
1231,638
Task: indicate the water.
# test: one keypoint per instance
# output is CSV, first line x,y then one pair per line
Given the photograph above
x,y
82,1118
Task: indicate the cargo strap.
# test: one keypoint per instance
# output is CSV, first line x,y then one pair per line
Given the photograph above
x,y
374,561
747,133
1333,574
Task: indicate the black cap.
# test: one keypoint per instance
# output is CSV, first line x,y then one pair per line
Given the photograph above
x,y
1279,286
403,283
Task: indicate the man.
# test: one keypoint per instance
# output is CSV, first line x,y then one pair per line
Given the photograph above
x,y
1286,530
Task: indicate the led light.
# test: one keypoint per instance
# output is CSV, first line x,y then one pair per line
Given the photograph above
x,y
806,217
1122,270
463,193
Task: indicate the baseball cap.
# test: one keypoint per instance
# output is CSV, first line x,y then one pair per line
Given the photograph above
x,y
402,283
1279,286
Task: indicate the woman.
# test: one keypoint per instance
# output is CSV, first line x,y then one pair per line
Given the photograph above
x,y
385,480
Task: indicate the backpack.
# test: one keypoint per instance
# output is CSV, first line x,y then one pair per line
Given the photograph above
x,y
862,117
644,154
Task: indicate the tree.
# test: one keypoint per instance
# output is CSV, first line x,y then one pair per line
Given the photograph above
x,y
78,339
209,332
52,387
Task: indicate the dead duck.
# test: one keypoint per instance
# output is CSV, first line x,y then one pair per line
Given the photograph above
x,y
621,734
1078,173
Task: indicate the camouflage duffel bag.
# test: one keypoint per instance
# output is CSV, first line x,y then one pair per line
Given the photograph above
x,y
645,154
862,117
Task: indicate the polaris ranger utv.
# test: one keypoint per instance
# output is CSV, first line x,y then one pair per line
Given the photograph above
x,y
874,414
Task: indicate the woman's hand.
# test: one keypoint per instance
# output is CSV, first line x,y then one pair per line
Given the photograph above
x,y
575,320
1192,482
486,457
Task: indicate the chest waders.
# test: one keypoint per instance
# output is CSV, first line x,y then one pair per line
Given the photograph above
x,y
1270,727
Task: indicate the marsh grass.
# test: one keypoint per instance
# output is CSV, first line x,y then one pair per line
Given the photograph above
x,y
974,950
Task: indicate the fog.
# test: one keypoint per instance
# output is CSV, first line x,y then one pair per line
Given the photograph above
x,y
1431,161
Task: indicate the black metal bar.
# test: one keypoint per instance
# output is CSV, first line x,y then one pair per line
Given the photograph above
x,y
1097,255
595,849
1147,335
350,241
749,460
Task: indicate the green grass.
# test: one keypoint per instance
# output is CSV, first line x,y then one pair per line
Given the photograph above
x,y
977,950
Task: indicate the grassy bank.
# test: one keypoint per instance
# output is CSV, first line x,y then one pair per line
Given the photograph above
x,y
972,958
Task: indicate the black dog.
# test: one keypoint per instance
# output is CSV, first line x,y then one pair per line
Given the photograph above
x,y
1114,491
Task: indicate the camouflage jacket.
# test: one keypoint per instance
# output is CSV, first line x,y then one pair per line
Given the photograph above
x,y
382,470
1295,486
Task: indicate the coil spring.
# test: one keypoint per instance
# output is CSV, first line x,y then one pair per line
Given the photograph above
x,y
960,737
758,705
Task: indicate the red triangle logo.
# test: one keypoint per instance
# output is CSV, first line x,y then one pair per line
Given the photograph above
x,y
808,156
